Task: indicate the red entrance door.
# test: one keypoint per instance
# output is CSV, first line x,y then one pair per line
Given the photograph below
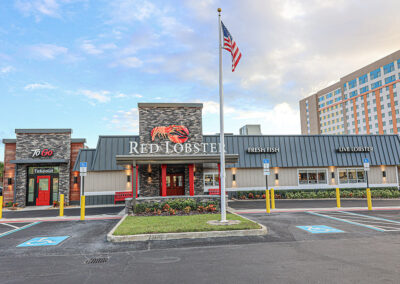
x,y
175,184
43,183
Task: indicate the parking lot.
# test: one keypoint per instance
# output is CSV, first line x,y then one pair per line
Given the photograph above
x,y
77,251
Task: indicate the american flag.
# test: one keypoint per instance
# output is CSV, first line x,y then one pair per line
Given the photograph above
x,y
230,45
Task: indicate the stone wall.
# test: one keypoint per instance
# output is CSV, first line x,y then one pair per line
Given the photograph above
x,y
151,188
59,143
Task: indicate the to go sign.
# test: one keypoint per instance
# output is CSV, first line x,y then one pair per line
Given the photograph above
x,y
42,153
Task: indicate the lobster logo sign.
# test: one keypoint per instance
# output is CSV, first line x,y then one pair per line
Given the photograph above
x,y
175,133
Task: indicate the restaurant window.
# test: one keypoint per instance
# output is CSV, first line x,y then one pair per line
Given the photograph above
x,y
211,179
312,176
351,176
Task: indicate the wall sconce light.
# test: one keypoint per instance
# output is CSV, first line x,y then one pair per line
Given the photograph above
x,y
234,177
276,176
194,168
149,168
333,174
384,174
128,178
9,181
149,180
75,180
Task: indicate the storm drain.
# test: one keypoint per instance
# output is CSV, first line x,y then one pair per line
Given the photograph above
x,y
96,260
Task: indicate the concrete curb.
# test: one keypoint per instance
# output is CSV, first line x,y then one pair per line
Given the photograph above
x,y
294,210
186,235
56,219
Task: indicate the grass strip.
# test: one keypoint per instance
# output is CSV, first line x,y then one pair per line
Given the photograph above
x,y
134,225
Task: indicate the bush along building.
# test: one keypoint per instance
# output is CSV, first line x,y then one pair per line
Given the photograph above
x,y
172,158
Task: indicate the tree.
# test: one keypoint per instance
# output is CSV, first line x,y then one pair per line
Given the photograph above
x,y
1,169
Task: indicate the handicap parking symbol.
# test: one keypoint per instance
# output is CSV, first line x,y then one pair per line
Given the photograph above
x,y
43,241
320,229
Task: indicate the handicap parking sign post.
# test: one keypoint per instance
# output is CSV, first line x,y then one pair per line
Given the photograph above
x,y
266,171
43,241
366,169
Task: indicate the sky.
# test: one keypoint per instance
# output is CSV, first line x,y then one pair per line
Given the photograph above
x,y
85,64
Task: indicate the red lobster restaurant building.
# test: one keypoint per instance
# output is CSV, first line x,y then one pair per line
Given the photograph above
x,y
172,157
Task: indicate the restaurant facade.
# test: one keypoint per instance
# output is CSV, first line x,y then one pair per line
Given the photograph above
x,y
171,157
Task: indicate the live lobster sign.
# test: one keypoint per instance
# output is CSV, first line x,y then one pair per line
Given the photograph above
x,y
175,133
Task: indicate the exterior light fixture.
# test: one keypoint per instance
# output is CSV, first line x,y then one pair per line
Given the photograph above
x,y
234,177
128,178
384,174
149,168
75,180
9,181
194,168
276,176
149,180
333,174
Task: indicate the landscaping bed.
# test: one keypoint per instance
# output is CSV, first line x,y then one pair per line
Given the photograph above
x,y
134,225
320,193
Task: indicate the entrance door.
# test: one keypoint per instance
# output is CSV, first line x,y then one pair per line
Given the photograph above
x,y
43,186
175,184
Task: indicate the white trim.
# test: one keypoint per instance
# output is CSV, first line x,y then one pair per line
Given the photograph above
x,y
317,186
103,192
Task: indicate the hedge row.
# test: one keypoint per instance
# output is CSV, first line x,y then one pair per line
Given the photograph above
x,y
322,193
176,204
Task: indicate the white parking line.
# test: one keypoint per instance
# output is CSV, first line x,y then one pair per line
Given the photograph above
x,y
12,226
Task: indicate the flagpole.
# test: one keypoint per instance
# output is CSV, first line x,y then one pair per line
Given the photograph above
x,y
221,120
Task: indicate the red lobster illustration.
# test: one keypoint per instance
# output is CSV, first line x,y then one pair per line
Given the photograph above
x,y
175,133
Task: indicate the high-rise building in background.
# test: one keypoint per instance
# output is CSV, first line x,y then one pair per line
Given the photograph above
x,y
250,129
365,101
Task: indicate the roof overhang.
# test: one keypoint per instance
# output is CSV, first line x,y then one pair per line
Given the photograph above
x,y
174,159
37,161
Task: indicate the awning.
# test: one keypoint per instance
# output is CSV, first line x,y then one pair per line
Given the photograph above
x,y
174,159
39,161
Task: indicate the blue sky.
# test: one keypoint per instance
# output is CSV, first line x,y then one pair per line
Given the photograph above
x,y
86,64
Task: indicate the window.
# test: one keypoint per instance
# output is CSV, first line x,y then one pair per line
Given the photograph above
x,y
352,84
363,79
364,89
353,93
351,176
312,176
329,95
375,74
376,85
210,179
388,68
337,92
390,79
398,64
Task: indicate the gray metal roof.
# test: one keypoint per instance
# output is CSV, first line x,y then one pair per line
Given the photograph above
x,y
5,140
78,140
84,155
294,150
44,130
312,150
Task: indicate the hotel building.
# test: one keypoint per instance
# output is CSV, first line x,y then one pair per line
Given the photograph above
x,y
365,101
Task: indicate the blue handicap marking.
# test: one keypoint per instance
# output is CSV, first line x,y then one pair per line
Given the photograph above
x,y
366,161
43,241
320,229
266,161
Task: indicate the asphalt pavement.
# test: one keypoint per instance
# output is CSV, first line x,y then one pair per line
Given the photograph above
x,y
288,254
312,203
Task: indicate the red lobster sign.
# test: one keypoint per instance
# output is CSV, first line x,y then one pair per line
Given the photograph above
x,y
175,133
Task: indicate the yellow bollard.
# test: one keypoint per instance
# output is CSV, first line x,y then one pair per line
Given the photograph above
x,y
1,207
61,205
337,197
267,201
272,198
369,201
82,207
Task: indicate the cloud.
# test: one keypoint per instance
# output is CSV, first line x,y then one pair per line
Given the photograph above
x,y
99,96
39,7
36,86
47,51
127,121
128,62
7,69
123,96
211,107
88,47
126,11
